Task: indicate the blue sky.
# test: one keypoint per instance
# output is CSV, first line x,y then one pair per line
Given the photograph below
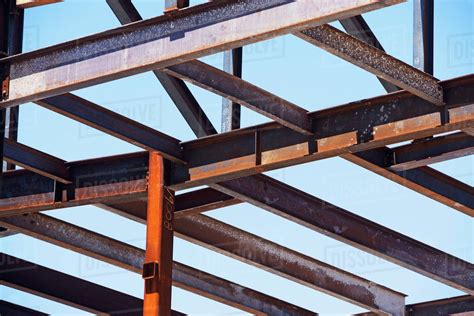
x,y
298,72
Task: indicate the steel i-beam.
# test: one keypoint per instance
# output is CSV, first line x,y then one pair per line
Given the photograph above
x,y
157,269
88,243
165,40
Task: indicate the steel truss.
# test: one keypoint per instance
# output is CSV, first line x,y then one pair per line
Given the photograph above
x,y
141,186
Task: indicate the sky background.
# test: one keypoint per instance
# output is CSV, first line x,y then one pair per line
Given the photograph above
x,y
298,72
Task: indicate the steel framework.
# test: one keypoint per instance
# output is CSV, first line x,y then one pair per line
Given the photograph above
x,y
141,186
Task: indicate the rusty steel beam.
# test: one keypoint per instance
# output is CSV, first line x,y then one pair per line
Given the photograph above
x,y
375,61
244,93
107,56
424,180
358,27
7,308
36,161
177,90
350,128
289,264
113,124
158,266
251,249
431,150
448,306
458,306
62,288
427,181
337,223
423,34
26,4
128,257
230,118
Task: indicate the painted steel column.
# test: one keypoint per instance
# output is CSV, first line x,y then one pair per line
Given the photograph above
x,y
423,21
230,109
157,270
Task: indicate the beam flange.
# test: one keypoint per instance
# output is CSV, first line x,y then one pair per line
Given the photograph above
x,y
163,41
7,308
375,61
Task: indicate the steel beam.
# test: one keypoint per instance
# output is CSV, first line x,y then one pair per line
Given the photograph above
x,y
357,27
164,41
424,180
335,222
158,266
459,306
375,61
282,261
350,128
230,119
15,46
449,306
113,124
62,288
182,97
244,93
289,264
125,256
25,4
36,161
423,24
432,150
7,308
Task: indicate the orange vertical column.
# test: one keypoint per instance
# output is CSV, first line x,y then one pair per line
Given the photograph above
x,y
157,269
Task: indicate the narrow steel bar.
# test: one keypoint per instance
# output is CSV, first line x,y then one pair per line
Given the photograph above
x,y
15,46
432,150
113,124
230,119
7,308
335,222
423,34
103,248
375,61
65,289
165,40
244,93
36,161
158,266
173,5
358,27
177,90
